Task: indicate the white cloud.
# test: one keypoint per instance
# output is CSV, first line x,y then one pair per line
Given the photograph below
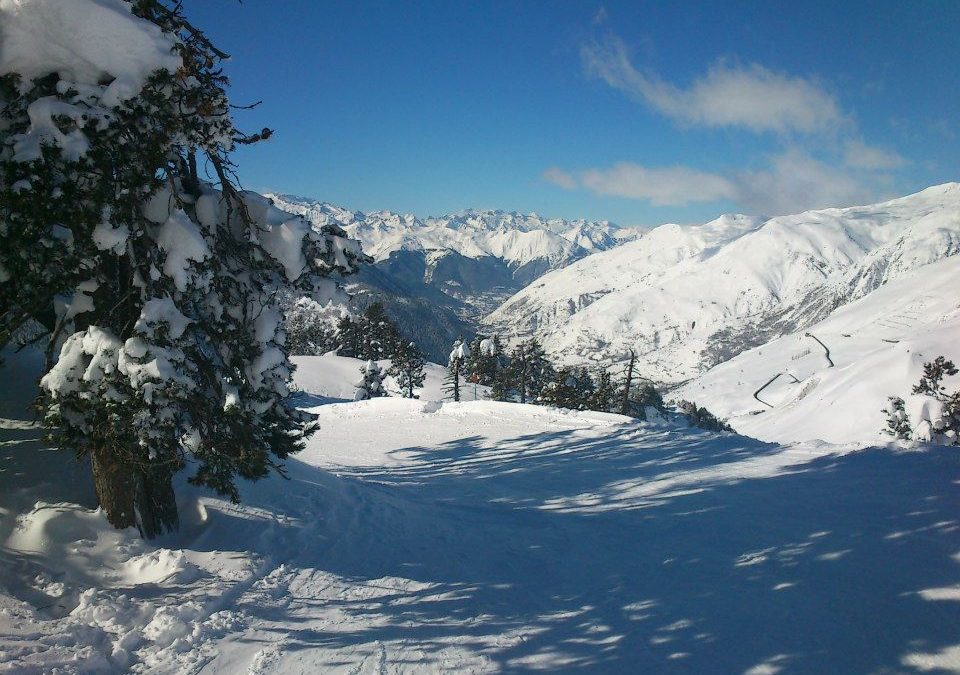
x,y
560,178
796,182
671,186
793,182
746,96
862,156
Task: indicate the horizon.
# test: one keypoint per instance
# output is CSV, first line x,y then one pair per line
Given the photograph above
x,y
650,226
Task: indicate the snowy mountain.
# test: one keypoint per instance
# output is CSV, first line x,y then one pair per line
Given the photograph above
x,y
477,257
831,381
689,297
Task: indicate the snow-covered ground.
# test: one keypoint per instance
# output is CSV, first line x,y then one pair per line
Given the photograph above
x,y
419,536
333,379
877,348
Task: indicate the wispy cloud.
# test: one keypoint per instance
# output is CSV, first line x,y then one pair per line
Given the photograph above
x,y
793,181
727,95
560,178
670,186
862,156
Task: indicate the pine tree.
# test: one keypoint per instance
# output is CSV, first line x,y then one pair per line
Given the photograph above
x,y
456,366
528,372
407,368
604,393
157,290
701,417
944,423
348,337
370,384
898,424
379,337
310,327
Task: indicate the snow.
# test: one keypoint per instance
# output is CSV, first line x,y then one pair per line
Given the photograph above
x,y
878,345
162,311
83,41
181,240
332,377
428,536
517,239
688,297
106,237
459,352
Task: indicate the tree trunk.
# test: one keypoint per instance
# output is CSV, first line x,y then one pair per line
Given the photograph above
x,y
625,406
155,501
115,487
135,497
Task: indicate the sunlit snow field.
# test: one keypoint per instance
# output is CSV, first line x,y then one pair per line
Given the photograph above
x,y
419,536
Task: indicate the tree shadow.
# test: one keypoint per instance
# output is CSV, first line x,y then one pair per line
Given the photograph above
x,y
643,550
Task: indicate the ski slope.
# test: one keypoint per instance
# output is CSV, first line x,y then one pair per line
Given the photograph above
x,y
877,348
417,536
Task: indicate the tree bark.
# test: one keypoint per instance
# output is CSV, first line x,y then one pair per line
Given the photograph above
x,y
625,406
115,487
155,501
135,497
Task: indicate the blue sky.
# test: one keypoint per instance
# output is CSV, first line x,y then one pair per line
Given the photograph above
x,y
636,112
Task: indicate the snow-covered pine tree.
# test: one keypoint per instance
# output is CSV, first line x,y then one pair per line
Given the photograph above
x,y
370,384
898,424
348,338
379,337
406,367
942,418
456,367
156,289
701,417
310,326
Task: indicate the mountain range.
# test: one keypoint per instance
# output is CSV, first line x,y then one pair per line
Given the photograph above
x,y
444,274
686,298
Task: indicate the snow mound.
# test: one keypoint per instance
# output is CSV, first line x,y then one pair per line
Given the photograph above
x,y
84,41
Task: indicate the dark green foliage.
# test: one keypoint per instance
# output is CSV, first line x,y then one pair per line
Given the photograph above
x,y
604,396
643,394
701,417
372,335
527,372
219,394
456,369
406,367
933,374
898,424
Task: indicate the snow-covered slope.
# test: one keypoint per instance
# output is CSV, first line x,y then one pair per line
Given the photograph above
x,y
689,297
414,537
333,378
877,347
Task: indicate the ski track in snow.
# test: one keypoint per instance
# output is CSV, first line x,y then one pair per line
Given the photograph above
x,y
484,537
